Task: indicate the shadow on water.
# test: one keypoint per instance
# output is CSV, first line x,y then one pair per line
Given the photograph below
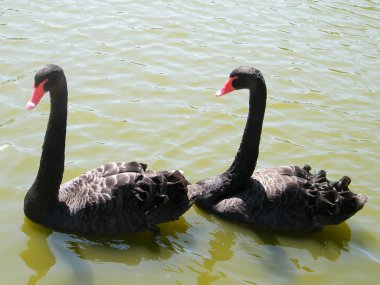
x,y
45,245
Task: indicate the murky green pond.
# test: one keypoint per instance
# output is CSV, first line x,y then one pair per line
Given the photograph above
x,y
142,77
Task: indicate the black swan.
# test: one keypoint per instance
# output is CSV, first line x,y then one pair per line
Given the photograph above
x,y
114,198
287,198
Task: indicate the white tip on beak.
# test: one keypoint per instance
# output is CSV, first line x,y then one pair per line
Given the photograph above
x,y
30,105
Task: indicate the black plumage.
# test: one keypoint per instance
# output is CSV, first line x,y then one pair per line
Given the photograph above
x,y
287,198
114,198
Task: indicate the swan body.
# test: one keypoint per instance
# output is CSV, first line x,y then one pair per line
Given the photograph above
x,y
287,198
114,198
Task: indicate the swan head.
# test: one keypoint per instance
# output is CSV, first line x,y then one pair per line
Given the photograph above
x,y
243,77
46,79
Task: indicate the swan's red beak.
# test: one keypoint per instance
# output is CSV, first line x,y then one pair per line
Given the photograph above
x,y
38,92
227,87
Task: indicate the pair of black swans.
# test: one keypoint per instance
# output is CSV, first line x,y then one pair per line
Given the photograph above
x,y
126,197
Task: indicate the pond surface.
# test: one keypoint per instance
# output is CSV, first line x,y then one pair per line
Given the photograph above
x,y
142,77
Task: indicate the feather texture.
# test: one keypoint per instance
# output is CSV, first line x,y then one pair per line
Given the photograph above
x,y
114,198
287,198
290,198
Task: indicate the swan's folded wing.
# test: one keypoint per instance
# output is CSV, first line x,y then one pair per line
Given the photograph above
x,y
113,168
123,186
294,189
96,186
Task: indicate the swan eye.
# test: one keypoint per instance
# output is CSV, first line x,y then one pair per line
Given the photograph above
x,y
232,79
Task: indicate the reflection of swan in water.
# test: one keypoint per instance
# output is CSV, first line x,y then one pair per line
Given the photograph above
x,y
37,256
131,249
327,244
220,250
40,257
45,245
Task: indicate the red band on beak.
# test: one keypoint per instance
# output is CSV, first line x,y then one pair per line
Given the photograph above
x,y
38,92
227,87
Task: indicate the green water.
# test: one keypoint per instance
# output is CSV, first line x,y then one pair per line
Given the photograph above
x,y
141,78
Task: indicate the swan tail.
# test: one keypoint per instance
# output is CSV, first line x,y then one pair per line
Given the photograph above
x,y
162,190
331,202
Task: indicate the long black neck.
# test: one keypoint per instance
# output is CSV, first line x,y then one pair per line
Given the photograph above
x,y
245,160
44,191
216,187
